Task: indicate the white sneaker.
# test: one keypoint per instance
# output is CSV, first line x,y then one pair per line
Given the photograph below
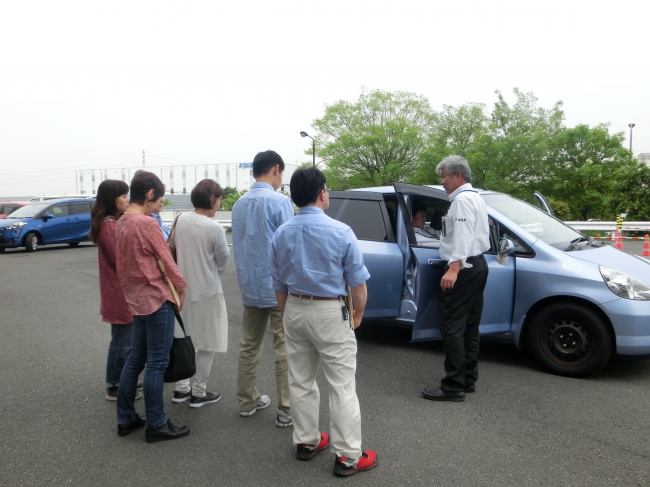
x,y
283,420
264,402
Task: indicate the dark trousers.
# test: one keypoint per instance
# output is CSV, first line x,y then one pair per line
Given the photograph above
x,y
462,307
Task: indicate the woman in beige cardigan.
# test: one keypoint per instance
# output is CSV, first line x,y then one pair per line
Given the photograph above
x,y
202,253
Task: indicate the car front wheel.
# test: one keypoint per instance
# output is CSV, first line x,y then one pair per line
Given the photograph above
x,y
569,339
31,242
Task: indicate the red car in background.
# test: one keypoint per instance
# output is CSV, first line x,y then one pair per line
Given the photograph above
x,y
7,207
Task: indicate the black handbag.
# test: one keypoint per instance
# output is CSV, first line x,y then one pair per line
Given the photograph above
x,y
182,363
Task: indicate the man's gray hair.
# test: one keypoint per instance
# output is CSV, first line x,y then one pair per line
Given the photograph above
x,y
454,165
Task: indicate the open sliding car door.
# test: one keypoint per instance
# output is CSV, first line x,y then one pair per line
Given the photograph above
x,y
423,267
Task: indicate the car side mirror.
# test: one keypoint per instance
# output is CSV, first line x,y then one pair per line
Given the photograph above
x,y
506,248
47,216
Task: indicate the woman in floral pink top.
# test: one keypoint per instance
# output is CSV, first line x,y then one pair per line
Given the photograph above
x,y
112,200
139,241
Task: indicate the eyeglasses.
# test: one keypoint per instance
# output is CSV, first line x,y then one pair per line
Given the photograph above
x,y
327,190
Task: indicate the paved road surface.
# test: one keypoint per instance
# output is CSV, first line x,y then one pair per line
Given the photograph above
x,y
522,427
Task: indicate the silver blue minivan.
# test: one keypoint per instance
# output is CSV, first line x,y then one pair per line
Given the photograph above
x,y
573,302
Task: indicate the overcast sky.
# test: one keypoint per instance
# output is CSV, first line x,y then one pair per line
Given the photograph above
x,y
88,84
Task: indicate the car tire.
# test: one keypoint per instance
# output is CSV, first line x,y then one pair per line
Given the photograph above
x,y
569,339
2,249
73,244
31,242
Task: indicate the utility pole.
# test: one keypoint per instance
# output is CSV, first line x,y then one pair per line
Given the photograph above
x,y
143,163
631,127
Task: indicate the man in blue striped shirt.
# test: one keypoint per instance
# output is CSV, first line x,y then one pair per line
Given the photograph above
x,y
255,217
309,256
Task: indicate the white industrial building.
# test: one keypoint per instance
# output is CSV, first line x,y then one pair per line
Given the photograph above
x,y
180,179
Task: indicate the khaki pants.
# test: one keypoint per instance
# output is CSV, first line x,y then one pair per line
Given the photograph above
x,y
250,350
316,334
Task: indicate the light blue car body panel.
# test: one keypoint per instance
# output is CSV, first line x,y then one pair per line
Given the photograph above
x,y
514,289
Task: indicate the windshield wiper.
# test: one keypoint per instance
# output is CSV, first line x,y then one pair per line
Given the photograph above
x,y
582,238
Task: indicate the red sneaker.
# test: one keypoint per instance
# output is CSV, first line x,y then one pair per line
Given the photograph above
x,y
367,461
307,452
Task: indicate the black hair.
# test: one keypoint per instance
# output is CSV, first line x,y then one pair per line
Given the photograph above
x,y
416,207
107,192
265,161
203,192
305,185
142,183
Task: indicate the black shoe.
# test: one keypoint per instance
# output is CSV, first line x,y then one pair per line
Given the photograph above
x,y
131,426
470,389
180,397
440,395
209,398
166,432
111,393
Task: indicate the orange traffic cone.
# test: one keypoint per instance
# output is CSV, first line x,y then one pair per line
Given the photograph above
x,y
646,246
618,241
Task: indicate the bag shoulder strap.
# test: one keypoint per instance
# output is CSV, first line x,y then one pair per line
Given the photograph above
x,y
180,322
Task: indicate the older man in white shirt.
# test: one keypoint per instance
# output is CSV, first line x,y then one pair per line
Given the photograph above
x,y
465,236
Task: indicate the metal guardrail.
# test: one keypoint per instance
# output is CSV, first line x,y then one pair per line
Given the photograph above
x,y
610,226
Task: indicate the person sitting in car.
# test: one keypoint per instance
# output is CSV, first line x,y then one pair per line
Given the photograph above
x,y
418,220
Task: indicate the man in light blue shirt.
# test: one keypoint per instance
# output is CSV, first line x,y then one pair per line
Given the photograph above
x,y
309,256
255,217
155,214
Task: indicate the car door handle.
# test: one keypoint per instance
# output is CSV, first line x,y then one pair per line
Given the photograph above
x,y
436,262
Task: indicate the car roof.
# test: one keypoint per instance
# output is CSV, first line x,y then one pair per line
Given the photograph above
x,y
14,203
391,189
65,200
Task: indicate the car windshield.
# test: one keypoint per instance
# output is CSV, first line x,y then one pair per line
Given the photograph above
x,y
29,211
540,224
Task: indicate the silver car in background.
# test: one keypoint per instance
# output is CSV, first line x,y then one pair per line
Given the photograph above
x,y
571,301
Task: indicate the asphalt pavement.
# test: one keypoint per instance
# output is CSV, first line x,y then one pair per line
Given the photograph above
x,y
522,426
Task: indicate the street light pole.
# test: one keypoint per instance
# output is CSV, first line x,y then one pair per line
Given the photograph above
x,y
631,127
313,146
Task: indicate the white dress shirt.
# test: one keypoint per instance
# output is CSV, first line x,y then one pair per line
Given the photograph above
x,y
465,227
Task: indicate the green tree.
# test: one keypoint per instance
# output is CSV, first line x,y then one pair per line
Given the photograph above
x,y
454,130
588,165
514,156
630,191
374,141
231,197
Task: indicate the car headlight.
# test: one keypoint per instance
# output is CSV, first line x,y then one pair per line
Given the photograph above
x,y
15,226
625,286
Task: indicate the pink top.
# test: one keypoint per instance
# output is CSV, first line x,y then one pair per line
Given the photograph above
x,y
112,307
139,240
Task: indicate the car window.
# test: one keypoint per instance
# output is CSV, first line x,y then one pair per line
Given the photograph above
x,y
28,211
363,217
538,223
77,208
59,210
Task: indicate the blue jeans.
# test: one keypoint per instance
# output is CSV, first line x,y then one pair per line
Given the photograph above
x,y
118,352
152,340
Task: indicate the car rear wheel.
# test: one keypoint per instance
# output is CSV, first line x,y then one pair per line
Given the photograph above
x,y
73,244
2,249
569,339
31,242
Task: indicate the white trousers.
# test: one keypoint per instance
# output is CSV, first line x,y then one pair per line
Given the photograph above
x,y
316,334
200,380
